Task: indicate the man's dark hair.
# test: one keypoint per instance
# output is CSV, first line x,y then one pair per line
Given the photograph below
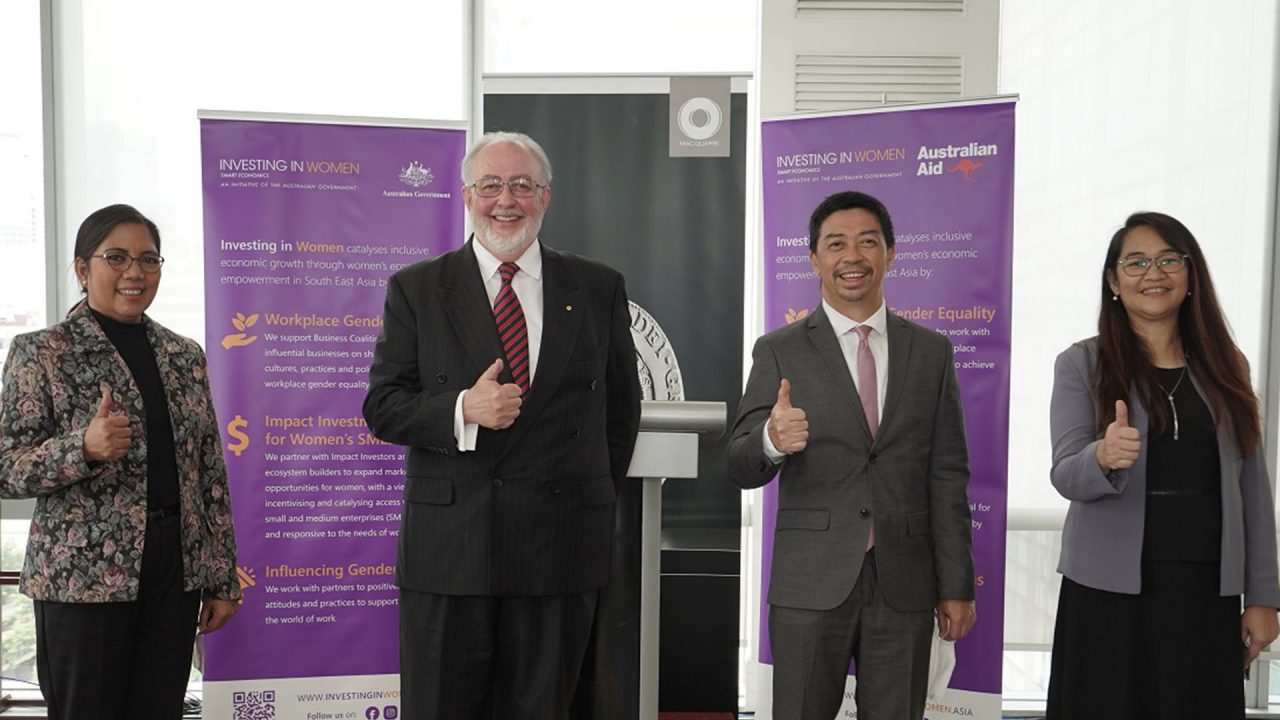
x,y
849,200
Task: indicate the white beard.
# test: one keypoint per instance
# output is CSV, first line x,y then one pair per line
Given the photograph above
x,y
505,245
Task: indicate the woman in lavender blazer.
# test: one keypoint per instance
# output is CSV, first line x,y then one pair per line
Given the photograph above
x,y
1169,585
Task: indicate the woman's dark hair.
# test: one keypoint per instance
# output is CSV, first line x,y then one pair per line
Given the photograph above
x,y
95,228
1211,353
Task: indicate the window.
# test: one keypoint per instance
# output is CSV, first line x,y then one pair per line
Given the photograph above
x,y
1124,107
135,73
22,274
22,284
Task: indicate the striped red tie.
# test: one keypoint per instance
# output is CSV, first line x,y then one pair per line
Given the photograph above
x,y
510,318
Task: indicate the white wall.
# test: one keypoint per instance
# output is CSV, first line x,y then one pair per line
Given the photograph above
x,y
614,37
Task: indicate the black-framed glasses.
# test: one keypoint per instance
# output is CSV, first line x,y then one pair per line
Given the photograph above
x,y
120,261
1169,263
521,187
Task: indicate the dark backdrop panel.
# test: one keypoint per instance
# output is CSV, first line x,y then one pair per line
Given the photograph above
x,y
673,226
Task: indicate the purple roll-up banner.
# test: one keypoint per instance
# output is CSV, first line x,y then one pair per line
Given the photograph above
x,y
304,221
945,173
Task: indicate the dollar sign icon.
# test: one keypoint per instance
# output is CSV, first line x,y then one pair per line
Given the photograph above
x,y
234,429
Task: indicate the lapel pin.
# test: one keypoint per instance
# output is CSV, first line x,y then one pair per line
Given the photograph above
x,y
568,308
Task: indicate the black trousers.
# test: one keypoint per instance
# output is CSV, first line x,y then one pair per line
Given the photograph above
x,y
491,658
112,661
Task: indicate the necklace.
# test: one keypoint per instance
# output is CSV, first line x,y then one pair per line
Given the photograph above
x,y
1169,394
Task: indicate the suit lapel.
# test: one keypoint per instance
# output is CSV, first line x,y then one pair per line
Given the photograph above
x,y
899,337
563,308
99,352
106,363
467,306
175,374
1139,418
163,350
823,337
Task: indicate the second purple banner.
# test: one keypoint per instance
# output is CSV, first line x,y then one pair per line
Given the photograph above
x,y
303,224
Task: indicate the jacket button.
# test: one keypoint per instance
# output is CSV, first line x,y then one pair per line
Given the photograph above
x,y
865,512
575,433
497,482
873,458
555,489
441,378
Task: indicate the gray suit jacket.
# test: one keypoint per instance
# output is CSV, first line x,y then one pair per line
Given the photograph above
x,y
1102,538
911,480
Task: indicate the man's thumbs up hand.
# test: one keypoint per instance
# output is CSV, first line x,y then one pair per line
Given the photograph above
x,y
788,427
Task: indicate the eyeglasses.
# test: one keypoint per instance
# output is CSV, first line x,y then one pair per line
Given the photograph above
x,y
491,187
1169,264
121,261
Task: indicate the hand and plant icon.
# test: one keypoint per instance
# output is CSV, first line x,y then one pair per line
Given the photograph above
x,y
243,337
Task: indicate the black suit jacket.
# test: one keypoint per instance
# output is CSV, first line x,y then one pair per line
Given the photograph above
x,y
530,511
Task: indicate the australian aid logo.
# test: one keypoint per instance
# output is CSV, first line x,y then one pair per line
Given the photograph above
x,y
964,161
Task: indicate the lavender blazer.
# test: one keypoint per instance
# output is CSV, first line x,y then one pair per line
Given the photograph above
x,y
1102,538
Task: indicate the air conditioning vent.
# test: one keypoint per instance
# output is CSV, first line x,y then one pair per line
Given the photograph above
x,y
842,82
944,6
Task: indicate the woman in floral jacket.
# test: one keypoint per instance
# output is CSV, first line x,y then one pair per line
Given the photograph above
x,y
107,420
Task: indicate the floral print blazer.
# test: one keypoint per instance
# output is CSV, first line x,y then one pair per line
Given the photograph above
x,y
91,517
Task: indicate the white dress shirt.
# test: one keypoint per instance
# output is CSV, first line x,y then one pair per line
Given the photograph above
x,y
845,330
527,284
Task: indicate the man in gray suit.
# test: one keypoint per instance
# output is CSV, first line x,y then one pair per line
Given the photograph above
x,y
858,413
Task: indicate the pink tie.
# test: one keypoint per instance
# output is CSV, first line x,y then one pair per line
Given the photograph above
x,y
868,387
869,393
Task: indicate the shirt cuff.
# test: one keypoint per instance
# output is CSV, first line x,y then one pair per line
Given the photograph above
x,y
771,452
463,431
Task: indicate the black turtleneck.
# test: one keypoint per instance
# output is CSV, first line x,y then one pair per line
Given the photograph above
x,y
131,341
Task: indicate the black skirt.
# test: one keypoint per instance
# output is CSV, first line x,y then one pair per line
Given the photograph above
x,y
1172,651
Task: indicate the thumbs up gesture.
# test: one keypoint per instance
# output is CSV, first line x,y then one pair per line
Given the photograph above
x,y
491,404
1119,447
107,437
788,427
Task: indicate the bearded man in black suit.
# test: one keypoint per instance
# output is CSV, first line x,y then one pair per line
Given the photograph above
x,y
507,368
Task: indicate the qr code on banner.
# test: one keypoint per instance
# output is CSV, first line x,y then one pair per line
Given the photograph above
x,y
256,705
